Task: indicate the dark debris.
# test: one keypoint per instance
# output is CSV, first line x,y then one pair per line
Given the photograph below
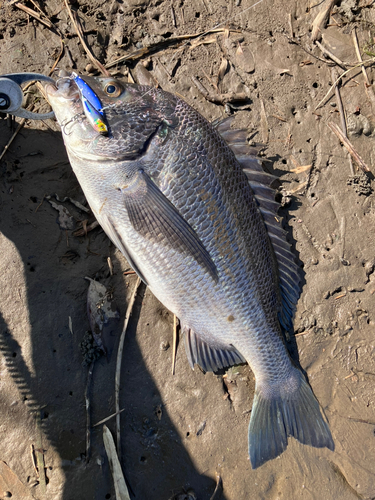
x,y
361,184
90,351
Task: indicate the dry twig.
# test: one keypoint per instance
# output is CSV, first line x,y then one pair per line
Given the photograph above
x,y
358,52
368,62
77,25
218,98
10,482
39,18
6,147
86,228
321,19
368,86
342,115
331,56
152,49
174,348
356,157
39,455
122,492
108,418
219,488
118,365
263,123
88,414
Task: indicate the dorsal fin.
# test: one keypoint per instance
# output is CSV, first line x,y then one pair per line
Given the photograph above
x,y
261,184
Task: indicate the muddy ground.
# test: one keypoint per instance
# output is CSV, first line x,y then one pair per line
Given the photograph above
x,y
179,432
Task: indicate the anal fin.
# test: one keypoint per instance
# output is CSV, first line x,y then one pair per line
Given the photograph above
x,y
210,359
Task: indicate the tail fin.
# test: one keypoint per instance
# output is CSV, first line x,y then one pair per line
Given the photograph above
x,y
279,411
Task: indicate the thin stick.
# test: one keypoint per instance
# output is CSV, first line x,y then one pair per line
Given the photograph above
x,y
173,15
263,123
368,86
159,46
38,17
218,98
330,55
174,347
110,265
356,157
107,418
88,412
302,333
126,273
118,366
38,450
321,20
216,28
33,459
58,59
83,231
369,61
358,52
219,488
77,25
121,490
342,115
6,147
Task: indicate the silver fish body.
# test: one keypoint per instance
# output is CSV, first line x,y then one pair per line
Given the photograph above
x,y
174,198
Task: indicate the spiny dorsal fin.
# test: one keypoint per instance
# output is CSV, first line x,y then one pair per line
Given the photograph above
x,y
261,182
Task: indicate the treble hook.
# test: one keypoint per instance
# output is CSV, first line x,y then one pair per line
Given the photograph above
x,y
11,95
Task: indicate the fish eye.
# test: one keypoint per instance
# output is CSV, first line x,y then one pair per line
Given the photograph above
x,y
113,89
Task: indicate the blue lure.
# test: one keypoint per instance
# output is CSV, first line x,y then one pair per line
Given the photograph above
x,y
92,106
96,119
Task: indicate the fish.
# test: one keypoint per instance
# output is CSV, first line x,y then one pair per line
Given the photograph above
x,y
195,215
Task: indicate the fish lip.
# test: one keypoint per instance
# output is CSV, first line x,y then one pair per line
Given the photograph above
x,y
64,87
65,99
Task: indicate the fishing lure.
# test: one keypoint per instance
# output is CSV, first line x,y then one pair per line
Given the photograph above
x,y
92,106
96,119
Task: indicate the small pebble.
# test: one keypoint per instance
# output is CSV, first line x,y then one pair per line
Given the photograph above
x,y
164,346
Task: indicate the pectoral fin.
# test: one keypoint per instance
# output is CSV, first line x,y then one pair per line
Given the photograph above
x,y
156,218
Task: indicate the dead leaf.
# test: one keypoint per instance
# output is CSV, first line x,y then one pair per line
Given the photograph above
x,y
121,489
144,77
222,70
263,123
9,482
65,220
321,20
245,58
298,168
203,41
102,313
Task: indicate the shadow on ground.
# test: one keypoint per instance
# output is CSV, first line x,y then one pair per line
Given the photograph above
x,y
42,355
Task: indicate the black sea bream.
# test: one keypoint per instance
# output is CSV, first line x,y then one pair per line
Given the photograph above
x,y
194,215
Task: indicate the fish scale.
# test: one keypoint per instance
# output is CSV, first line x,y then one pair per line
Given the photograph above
x,y
197,221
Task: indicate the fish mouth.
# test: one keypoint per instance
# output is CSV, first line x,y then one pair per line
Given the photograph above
x,y
64,88
65,100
